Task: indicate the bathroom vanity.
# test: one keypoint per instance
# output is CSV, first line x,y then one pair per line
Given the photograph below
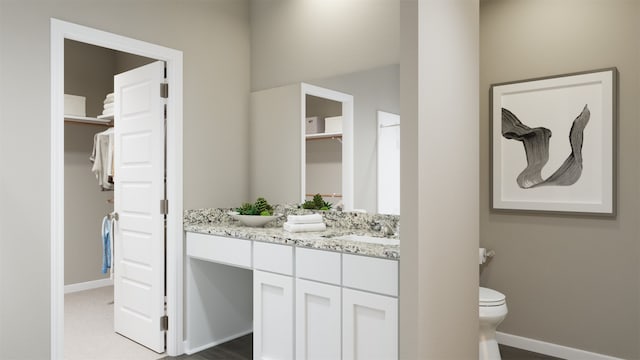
x,y
328,295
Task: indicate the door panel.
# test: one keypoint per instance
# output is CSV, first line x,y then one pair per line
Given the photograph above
x,y
272,316
318,327
369,326
139,244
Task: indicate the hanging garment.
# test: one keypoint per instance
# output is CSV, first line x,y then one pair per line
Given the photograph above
x,y
102,158
106,244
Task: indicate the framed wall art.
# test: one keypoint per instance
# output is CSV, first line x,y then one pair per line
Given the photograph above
x,y
553,143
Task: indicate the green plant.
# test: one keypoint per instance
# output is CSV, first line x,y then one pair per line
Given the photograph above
x,y
260,207
317,203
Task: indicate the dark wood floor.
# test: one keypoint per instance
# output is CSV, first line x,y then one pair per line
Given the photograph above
x,y
242,349
238,349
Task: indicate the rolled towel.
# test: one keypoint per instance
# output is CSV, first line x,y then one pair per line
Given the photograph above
x,y
304,219
304,227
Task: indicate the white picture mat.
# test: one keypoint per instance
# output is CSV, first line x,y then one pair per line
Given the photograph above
x,y
554,103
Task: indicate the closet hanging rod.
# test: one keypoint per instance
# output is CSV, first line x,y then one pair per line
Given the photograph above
x,y
87,122
326,195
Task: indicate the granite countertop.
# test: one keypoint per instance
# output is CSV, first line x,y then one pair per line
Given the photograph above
x,y
218,222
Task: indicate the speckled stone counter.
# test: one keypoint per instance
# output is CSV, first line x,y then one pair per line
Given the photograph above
x,y
218,222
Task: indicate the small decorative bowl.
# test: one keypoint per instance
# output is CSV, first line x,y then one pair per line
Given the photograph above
x,y
253,220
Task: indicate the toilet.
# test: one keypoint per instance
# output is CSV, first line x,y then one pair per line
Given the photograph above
x,y
493,309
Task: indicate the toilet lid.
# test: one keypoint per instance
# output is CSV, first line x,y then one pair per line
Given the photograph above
x,y
490,297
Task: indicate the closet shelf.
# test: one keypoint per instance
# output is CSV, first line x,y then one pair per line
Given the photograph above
x,y
319,136
100,120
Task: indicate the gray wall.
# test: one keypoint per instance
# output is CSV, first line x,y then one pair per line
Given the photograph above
x,y
214,37
88,72
569,280
293,41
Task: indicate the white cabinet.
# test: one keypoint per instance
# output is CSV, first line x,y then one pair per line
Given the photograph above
x,y
272,316
370,274
369,326
308,304
220,249
318,324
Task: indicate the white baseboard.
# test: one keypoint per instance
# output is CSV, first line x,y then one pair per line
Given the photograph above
x,y
550,349
190,351
71,288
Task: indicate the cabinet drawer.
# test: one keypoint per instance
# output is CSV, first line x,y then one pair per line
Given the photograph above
x,y
370,274
220,249
273,257
318,265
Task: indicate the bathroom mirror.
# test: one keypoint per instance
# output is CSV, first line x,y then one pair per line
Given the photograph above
x,y
373,90
277,161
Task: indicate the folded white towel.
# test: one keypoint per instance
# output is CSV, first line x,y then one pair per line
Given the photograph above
x,y
304,219
304,227
108,106
107,111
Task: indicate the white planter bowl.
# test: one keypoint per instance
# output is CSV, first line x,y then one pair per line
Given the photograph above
x,y
253,220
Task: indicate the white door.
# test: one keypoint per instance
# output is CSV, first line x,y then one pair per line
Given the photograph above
x,y
139,236
317,321
272,316
388,163
369,326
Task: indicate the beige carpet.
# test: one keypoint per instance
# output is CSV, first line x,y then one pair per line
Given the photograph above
x,y
88,329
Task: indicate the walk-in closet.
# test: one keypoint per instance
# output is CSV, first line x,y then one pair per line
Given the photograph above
x,y
89,78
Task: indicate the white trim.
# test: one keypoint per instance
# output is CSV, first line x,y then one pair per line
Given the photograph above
x,y
61,30
190,351
71,288
549,349
347,139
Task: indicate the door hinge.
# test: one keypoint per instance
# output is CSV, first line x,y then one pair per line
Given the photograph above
x,y
164,207
164,90
164,323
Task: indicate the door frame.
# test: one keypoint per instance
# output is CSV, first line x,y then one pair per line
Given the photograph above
x,y
347,140
61,30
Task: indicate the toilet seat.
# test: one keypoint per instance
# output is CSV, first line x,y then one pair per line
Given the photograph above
x,y
490,297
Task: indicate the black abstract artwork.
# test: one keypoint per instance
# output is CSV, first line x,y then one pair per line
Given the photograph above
x,y
536,147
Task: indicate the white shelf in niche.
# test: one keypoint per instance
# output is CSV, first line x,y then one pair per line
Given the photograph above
x,y
105,117
336,135
89,120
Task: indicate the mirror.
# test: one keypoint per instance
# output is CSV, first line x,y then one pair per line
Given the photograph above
x,y
278,137
373,91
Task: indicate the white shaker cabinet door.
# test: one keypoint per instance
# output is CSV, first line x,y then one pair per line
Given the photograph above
x,y
272,316
317,321
369,326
